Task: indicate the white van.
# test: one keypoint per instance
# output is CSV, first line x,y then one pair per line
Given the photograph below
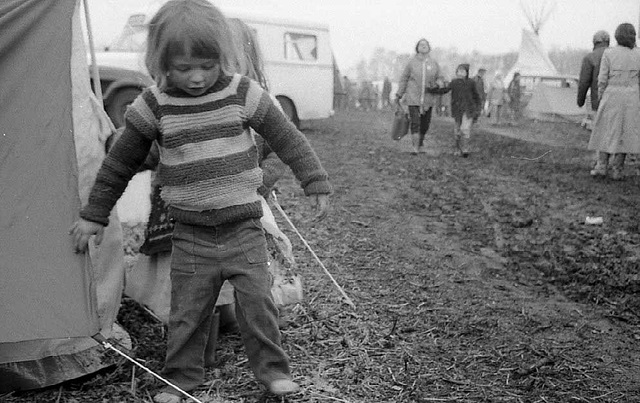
x,y
298,63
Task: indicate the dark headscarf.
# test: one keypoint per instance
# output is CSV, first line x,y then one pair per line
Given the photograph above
x,y
626,35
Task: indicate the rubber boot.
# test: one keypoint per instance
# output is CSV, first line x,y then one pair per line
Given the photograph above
x,y
617,167
602,165
456,148
421,147
464,146
415,138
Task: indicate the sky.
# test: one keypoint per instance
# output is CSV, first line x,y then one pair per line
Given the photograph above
x,y
357,27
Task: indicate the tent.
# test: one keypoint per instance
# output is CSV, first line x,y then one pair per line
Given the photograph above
x,y
552,103
533,59
53,133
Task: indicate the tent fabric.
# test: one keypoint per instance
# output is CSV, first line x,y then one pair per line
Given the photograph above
x,y
52,144
533,59
554,104
46,289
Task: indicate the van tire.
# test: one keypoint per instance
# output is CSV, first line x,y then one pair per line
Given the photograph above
x,y
118,104
289,110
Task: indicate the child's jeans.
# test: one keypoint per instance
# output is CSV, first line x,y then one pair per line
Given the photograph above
x,y
462,132
463,127
203,258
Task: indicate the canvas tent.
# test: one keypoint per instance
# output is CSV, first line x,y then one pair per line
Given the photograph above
x,y
52,139
545,95
533,59
553,103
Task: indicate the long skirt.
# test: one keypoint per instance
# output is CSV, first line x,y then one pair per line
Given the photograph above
x,y
616,128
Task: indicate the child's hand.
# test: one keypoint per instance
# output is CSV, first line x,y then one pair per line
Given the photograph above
x,y
322,206
82,230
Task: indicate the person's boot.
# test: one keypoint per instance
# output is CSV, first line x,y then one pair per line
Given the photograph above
x,y
601,165
415,138
618,166
464,147
456,149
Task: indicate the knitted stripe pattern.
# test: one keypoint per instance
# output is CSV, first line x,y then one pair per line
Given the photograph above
x,y
208,165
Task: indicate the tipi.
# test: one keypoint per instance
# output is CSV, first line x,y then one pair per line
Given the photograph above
x,y
533,59
52,141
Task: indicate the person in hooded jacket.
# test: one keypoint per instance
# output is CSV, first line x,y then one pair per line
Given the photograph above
x,y
465,106
590,69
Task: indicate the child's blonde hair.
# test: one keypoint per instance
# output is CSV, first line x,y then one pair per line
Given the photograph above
x,y
250,62
188,27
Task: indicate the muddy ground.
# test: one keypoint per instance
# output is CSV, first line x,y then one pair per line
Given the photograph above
x,y
473,280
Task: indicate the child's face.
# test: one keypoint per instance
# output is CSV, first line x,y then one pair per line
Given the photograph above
x,y
461,73
193,75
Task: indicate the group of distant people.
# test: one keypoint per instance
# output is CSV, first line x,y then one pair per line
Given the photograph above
x,y
611,76
421,89
364,96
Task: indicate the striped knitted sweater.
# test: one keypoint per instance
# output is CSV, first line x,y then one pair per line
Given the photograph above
x,y
208,157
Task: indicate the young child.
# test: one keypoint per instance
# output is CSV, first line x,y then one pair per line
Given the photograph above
x,y
465,104
200,115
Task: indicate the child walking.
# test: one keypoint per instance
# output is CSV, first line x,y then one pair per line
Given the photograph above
x,y
465,104
200,114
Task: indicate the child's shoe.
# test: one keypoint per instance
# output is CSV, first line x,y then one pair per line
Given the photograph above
x,y
463,144
282,387
166,397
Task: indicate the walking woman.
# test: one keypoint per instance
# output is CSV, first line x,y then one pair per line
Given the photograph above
x,y
616,129
420,73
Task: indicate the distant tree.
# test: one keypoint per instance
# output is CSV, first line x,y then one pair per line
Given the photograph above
x,y
386,63
568,61
537,12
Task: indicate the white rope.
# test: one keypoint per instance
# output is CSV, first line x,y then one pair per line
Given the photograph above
x,y
109,346
346,297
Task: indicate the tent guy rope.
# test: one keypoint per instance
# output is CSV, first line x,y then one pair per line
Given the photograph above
x,y
102,341
286,217
95,74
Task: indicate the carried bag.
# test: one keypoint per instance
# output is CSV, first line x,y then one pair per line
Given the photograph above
x,y
400,126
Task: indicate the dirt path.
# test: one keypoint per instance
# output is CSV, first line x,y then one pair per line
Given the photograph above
x,y
474,280
442,249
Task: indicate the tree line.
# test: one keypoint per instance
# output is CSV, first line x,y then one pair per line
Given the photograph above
x,y
388,63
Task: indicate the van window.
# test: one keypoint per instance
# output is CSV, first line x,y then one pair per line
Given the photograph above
x,y
300,47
